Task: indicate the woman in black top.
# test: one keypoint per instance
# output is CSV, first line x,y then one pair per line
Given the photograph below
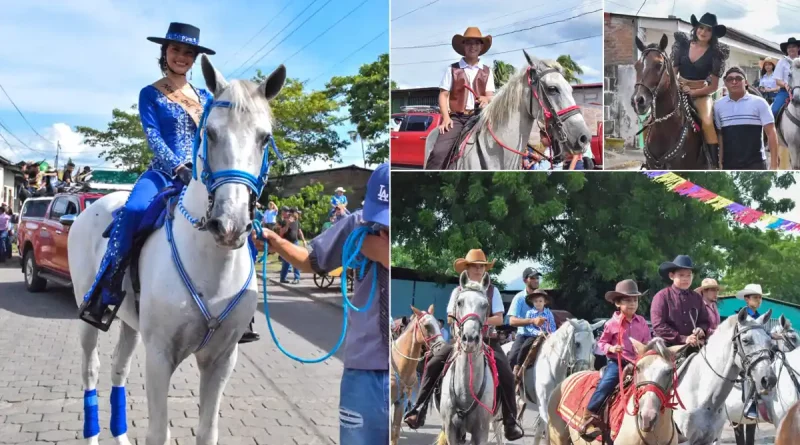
x,y
699,60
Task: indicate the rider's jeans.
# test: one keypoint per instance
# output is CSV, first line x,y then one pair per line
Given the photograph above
x,y
780,99
605,386
5,243
121,239
364,407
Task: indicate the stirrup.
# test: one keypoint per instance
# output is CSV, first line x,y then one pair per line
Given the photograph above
x,y
107,317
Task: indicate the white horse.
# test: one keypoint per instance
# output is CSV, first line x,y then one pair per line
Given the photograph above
x,y
216,261
785,366
505,125
789,131
739,344
468,388
568,350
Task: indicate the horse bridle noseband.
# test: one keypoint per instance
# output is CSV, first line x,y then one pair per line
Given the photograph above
x,y
213,180
683,103
669,397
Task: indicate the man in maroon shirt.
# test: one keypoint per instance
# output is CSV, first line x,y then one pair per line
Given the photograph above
x,y
673,308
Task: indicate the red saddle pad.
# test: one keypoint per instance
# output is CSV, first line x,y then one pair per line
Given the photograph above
x,y
576,391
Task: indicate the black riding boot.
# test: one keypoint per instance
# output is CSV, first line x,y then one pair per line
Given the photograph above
x,y
416,417
250,335
713,151
512,429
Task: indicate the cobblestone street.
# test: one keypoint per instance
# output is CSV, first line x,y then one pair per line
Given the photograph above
x,y
270,399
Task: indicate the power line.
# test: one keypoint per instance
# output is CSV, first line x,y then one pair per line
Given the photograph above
x,y
20,140
414,10
326,31
23,116
348,56
273,38
256,34
289,35
505,33
505,52
640,7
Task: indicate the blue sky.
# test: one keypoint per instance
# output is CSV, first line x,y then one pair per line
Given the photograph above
x,y
438,23
72,62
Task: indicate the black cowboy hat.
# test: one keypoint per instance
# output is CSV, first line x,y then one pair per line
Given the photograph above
x,y
185,34
625,288
710,20
791,41
680,262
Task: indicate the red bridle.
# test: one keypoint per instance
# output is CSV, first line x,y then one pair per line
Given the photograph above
x,y
669,399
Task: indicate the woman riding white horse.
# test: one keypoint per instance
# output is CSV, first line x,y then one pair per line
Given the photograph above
x,y
170,110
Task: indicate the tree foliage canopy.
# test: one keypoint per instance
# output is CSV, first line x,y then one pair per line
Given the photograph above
x,y
591,230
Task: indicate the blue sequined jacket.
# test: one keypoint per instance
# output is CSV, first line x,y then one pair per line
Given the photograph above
x,y
169,129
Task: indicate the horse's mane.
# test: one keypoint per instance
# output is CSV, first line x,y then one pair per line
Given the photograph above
x,y
472,286
246,99
559,336
660,347
507,99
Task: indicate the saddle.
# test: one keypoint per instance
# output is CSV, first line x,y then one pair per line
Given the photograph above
x,y
453,152
578,388
530,359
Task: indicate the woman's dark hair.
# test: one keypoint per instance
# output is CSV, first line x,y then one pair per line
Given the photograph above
x,y
764,69
162,61
713,43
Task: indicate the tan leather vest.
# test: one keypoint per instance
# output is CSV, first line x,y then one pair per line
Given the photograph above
x,y
459,93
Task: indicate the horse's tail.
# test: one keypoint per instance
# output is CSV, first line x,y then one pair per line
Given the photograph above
x,y
442,439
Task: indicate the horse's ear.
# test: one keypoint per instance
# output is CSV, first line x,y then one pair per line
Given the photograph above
x,y
486,281
640,44
675,350
430,309
531,60
215,81
639,347
785,323
272,86
664,42
404,320
414,310
463,279
742,315
765,318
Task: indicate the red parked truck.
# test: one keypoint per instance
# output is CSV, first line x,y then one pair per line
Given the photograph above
x,y
43,229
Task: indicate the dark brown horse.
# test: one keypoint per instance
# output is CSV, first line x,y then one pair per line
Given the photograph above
x,y
673,141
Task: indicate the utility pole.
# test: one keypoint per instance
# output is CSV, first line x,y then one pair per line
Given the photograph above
x,y
58,150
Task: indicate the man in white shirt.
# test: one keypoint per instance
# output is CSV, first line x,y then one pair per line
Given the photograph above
x,y
475,264
783,73
457,103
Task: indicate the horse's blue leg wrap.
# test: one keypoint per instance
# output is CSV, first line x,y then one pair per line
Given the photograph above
x,y
119,422
91,418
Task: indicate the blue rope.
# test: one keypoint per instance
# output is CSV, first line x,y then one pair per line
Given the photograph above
x,y
351,258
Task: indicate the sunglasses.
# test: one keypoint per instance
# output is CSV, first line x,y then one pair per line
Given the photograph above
x,y
733,79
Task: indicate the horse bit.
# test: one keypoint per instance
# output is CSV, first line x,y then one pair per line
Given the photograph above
x,y
683,103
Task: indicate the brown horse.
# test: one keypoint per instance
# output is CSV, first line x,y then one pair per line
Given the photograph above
x,y
672,139
789,429
407,351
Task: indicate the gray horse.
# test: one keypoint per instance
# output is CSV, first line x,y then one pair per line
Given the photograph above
x,y
217,261
789,128
505,125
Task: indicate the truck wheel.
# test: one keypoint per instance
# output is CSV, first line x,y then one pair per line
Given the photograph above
x,y
33,282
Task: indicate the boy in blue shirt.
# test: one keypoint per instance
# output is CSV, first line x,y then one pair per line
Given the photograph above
x,y
543,322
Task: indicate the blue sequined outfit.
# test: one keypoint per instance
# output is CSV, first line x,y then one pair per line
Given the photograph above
x,y
170,133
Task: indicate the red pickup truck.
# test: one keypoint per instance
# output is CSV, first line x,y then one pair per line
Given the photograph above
x,y
413,125
42,237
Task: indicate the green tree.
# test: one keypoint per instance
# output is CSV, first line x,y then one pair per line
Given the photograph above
x,y
502,72
314,204
124,141
571,68
590,231
303,125
366,94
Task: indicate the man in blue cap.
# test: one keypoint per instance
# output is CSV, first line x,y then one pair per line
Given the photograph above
x,y
364,390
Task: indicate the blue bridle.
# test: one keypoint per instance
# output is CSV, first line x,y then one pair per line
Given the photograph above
x,y
213,180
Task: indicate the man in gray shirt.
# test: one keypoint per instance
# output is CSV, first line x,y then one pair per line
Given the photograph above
x,y
364,391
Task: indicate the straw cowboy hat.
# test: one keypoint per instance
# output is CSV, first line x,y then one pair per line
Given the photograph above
x,y
625,288
471,33
185,34
791,41
474,256
750,289
708,283
339,189
767,60
680,262
537,293
710,20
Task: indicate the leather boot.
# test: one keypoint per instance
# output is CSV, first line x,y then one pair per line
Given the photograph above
x,y
250,335
513,431
589,429
713,151
415,418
